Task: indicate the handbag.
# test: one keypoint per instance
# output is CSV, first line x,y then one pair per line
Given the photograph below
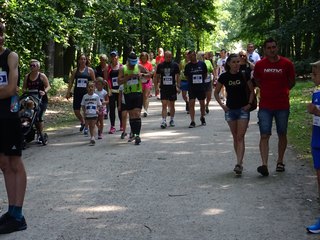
x,y
254,103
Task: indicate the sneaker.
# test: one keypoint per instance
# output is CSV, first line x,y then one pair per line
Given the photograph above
x,y
145,114
238,169
100,136
85,132
192,124
203,121
4,218
314,228
163,125
263,170
137,140
112,130
12,225
82,125
172,123
131,137
123,135
207,109
92,142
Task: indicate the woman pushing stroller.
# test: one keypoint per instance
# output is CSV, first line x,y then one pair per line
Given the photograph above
x,y
36,80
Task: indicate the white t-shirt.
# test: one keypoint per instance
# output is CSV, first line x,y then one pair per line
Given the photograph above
x,y
253,57
102,94
91,103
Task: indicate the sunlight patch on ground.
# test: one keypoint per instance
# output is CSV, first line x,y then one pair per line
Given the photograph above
x,y
103,208
161,134
213,211
69,144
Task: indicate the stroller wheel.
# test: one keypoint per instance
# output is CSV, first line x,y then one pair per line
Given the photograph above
x,y
44,139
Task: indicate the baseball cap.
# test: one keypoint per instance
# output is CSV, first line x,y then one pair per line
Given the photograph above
x,y
114,53
132,59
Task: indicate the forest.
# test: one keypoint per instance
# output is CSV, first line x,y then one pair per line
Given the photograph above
x,y
57,31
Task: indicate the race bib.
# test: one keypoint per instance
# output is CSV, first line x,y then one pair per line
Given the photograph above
x,y
91,109
3,78
196,79
167,80
115,82
82,82
133,81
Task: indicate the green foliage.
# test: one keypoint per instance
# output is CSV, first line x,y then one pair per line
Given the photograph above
x,y
57,85
300,121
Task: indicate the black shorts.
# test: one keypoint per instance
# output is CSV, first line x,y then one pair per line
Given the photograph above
x,y
133,100
168,94
77,98
197,94
10,137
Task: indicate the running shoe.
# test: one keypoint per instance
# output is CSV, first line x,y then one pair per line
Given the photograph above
x,y
4,218
192,124
92,142
123,135
207,109
145,114
85,132
112,130
131,137
163,125
137,140
203,121
12,225
172,123
263,170
82,125
314,228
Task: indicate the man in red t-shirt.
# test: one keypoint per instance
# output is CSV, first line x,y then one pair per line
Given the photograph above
x,y
275,76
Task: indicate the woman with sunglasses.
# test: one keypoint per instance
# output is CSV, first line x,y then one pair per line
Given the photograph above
x,y
36,80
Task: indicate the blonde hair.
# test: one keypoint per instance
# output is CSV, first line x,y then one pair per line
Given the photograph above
x,y
35,61
99,80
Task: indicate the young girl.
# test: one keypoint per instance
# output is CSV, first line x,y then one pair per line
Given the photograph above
x,y
104,98
90,104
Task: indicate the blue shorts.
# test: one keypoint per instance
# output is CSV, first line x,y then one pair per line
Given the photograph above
x,y
236,114
184,86
316,157
266,116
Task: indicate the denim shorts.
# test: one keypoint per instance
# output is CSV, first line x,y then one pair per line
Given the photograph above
x,y
266,116
236,114
316,157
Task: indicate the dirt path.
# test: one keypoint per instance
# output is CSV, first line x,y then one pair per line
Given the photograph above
x,y
177,185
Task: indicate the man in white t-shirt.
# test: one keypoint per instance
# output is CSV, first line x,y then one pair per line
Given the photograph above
x,y
253,56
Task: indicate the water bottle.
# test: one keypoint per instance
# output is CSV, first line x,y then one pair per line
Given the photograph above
x,y
14,106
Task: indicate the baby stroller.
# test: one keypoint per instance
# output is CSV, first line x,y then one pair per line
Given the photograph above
x,y
30,103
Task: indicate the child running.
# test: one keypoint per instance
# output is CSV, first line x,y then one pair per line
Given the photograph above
x,y
104,98
314,109
90,104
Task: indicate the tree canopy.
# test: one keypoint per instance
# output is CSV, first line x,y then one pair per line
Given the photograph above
x,y
55,32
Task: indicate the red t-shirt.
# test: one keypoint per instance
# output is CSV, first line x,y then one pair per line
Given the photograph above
x,y
159,59
274,83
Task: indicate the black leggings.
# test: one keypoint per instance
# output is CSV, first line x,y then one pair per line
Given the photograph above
x,y
113,104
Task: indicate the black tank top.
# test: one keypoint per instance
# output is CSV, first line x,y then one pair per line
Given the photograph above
x,y
37,85
4,78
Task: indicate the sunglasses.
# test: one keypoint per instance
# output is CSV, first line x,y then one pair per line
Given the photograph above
x,y
33,65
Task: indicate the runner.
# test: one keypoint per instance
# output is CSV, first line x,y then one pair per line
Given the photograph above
x,y
146,81
196,72
168,77
79,78
113,72
104,98
130,76
183,80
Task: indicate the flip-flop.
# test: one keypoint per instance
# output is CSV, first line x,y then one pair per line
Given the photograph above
x,y
280,167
